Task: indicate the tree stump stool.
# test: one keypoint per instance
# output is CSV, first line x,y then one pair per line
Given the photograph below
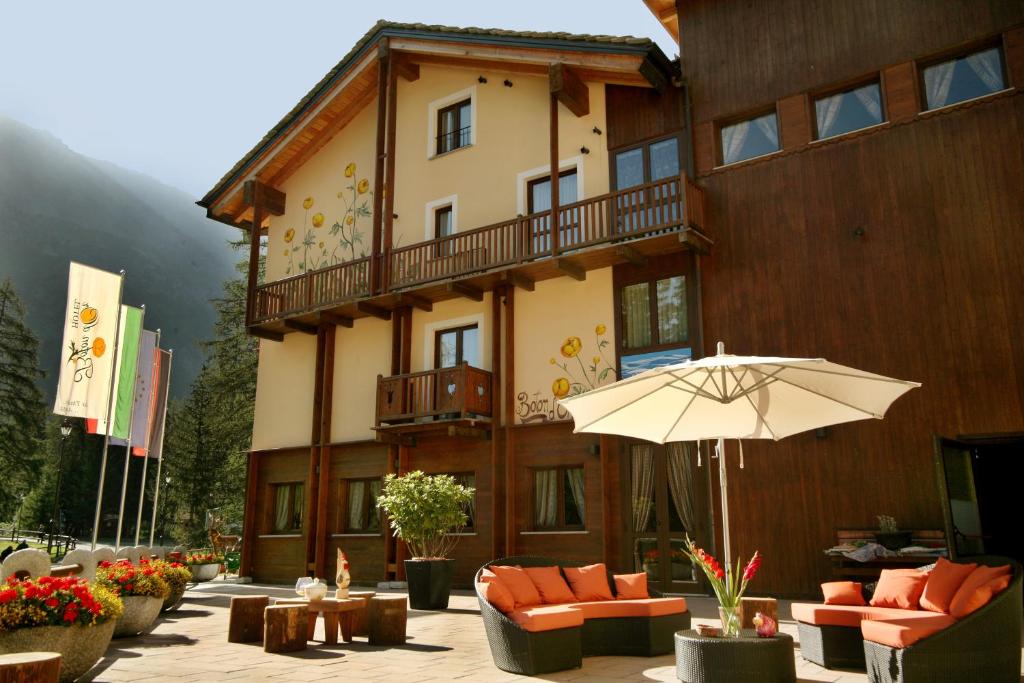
x,y
385,619
337,614
30,667
359,616
245,623
751,606
284,628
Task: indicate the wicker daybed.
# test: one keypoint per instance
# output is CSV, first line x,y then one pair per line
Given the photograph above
x,y
592,630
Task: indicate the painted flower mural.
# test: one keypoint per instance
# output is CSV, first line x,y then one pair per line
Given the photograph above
x,y
587,376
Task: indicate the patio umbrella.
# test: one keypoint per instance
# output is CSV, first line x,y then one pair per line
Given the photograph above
x,y
734,397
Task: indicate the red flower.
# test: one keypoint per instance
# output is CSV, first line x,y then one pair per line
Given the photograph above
x,y
7,595
752,566
129,587
51,603
70,614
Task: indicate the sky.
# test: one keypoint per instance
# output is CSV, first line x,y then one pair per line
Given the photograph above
x,y
180,90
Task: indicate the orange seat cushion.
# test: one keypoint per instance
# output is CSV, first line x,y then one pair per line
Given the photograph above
x,y
631,586
547,617
843,593
590,582
943,583
519,585
978,589
549,583
901,633
900,588
495,593
649,607
850,615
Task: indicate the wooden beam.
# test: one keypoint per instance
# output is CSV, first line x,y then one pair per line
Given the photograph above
x,y
466,290
378,172
569,88
696,240
553,163
517,279
405,367
509,406
408,70
383,436
254,257
468,432
573,270
300,326
249,530
324,466
374,310
336,320
271,200
269,335
497,539
631,255
650,71
405,299
389,178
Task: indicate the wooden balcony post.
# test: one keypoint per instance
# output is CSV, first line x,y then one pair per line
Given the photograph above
x,y
254,253
553,110
378,174
389,183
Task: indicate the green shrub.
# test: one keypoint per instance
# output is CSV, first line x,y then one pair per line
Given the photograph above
x,y
426,511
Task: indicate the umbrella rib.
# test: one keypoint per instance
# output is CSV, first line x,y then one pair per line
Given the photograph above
x,y
760,415
618,384
683,411
698,390
622,407
876,378
768,379
830,398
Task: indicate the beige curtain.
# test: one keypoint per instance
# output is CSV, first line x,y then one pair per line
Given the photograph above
x,y
297,508
733,138
680,482
575,477
986,66
769,127
937,81
871,98
545,498
636,308
356,500
827,109
281,521
642,484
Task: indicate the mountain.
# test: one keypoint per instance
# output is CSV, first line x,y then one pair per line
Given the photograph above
x,y
57,206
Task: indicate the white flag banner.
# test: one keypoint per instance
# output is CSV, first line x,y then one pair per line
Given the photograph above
x,y
90,323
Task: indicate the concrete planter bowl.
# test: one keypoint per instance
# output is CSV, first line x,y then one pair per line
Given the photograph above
x,y
79,647
173,600
204,572
139,612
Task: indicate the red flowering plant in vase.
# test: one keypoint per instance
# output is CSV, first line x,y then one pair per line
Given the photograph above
x,y
729,586
126,580
55,601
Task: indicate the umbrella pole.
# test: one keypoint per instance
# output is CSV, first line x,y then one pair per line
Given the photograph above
x,y
724,484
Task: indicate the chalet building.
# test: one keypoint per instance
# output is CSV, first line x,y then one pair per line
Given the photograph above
x,y
846,184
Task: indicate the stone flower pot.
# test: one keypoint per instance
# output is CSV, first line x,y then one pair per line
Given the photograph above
x,y
80,647
173,600
139,612
204,572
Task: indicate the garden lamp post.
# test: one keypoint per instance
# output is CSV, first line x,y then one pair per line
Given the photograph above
x,y
65,432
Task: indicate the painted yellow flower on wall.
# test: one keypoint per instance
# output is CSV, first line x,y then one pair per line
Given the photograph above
x,y
99,345
89,315
307,203
289,235
586,377
560,387
350,170
321,245
571,347
318,220
600,329
363,186
348,219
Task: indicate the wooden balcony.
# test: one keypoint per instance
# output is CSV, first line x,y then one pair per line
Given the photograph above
x,y
630,224
421,401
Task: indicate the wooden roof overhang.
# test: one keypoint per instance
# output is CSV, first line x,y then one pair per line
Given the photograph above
x,y
352,85
667,14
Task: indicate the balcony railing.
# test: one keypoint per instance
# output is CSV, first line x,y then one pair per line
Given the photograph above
x,y
311,290
457,393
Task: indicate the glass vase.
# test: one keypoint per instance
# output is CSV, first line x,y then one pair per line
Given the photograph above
x,y
730,617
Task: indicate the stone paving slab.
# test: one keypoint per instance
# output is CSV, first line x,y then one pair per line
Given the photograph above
x,y
191,645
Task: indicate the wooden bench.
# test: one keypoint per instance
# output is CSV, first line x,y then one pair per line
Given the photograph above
x,y
846,568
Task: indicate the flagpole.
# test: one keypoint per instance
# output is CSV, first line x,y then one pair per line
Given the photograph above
x,y
160,459
145,463
110,405
128,446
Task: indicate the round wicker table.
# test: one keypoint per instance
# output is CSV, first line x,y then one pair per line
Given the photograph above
x,y
700,659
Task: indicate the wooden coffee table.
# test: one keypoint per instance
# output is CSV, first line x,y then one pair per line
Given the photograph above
x,y
701,659
336,613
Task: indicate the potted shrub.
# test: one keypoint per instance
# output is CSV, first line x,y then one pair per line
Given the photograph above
x,y
177,577
889,536
426,512
142,591
205,566
66,615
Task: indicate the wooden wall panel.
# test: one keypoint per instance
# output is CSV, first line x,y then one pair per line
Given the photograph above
x,y
636,114
902,99
1013,47
899,253
794,121
365,554
705,147
278,559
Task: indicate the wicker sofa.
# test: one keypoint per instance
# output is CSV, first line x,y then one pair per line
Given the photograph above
x,y
983,646
593,630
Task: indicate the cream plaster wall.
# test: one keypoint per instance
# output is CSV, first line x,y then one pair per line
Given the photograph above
x,y
546,319
446,314
360,354
284,393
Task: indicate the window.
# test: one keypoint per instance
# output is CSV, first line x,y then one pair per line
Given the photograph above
x,y
287,512
751,138
849,110
468,479
558,498
963,78
444,226
361,513
538,199
456,346
654,314
453,126
646,164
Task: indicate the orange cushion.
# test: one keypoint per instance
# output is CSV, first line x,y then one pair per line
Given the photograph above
x,y
549,583
900,588
590,582
978,589
519,585
649,607
904,632
843,593
631,586
547,617
495,593
850,615
943,583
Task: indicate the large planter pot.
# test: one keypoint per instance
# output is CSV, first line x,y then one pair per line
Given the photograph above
x,y
894,540
430,582
204,572
139,612
80,647
173,599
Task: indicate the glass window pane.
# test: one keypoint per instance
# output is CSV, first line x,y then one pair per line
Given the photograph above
x,y
573,496
356,505
847,111
545,498
372,512
566,189
672,327
444,222
664,159
629,169
636,316
446,349
470,347
964,78
751,138
540,196
465,119
297,508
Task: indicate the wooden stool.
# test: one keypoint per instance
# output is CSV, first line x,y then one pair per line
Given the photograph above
x,y
337,613
359,616
751,606
30,667
385,618
245,624
285,628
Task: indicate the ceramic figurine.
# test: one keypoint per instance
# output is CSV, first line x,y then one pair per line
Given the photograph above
x,y
765,625
344,578
315,590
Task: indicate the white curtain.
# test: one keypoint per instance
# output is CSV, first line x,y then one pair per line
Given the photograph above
x,y
937,81
642,484
680,482
356,500
986,66
827,108
575,477
733,138
281,511
769,128
636,307
545,498
871,97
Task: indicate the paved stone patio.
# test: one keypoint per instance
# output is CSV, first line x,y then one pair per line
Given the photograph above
x,y
191,645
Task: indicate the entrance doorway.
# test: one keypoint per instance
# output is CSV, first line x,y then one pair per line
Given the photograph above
x,y
668,499
979,494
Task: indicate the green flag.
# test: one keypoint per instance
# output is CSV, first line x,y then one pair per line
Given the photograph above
x,y
128,351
